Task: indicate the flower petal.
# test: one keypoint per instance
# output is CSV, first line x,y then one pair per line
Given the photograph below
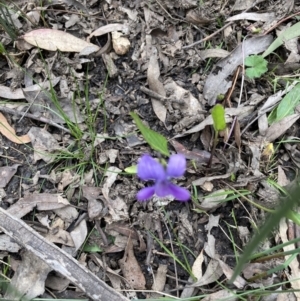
x,y
180,194
145,193
150,169
176,166
162,189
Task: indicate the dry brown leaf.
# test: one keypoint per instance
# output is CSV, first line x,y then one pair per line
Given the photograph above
x,y
197,266
240,112
155,85
279,128
225,294
214,200
29,278
217,82
202,180
212,273
263,17
159,280
7,131
53,40
239,282
195,17
79,235
131,268
6,92
200,156
42,201
6,173
43,144
108,28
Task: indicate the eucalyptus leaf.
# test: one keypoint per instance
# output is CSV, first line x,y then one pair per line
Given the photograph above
x,y
287,34
288,104
157,141
218,115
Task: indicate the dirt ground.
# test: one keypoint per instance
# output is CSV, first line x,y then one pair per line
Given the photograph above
x,y
72,227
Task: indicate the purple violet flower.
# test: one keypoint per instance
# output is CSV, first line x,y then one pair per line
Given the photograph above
x,y
149,169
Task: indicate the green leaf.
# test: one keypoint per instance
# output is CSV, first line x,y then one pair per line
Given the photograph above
x,y
92,248
288,104
218,115
157,141
258,66
131,169
284,209
287,34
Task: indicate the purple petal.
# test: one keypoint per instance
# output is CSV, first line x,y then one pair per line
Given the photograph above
x,y
150,169
176,166
162,189
145,193
180,194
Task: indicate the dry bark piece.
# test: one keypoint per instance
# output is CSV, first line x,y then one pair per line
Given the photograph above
x,y
57,259
110,65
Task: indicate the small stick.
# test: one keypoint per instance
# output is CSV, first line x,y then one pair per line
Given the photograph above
x,y
208,37
160,97
29,115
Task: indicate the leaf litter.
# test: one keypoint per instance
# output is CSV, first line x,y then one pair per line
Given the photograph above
x,y
67,139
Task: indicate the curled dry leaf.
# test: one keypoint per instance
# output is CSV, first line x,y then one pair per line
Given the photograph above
x,y
53,40
109,28
7,131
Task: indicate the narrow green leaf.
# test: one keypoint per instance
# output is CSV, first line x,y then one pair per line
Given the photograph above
x,y
218,115
288,104
131,169
157,141
284,209
288,34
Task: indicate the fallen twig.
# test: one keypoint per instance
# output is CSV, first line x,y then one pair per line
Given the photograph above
x,y
57,259
160,97
208,37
